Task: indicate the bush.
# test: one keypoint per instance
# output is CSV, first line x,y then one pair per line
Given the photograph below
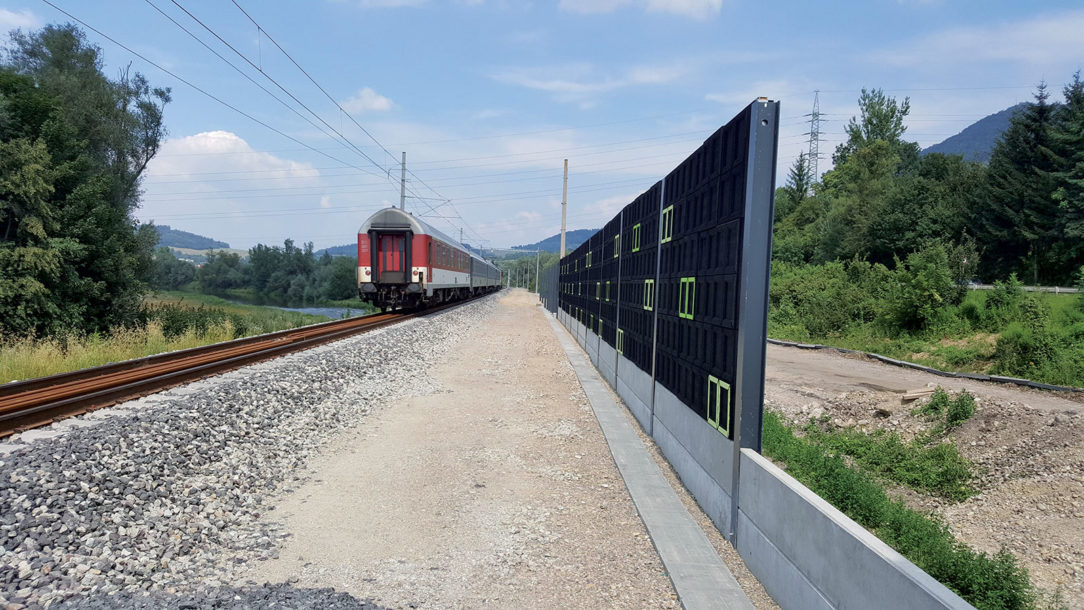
x,y
177,320
923,288
1003,303
960,410
1027,346
937,404
955,410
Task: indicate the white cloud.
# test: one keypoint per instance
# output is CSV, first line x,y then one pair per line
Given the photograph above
x,y
10,20
325,201
580,82
489,113
771,89
218,151
592,6
1038,41
390,3
367,100
695,9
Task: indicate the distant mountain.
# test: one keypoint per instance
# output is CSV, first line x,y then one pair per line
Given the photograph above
x,y
976,142
173,238
553,244
343,250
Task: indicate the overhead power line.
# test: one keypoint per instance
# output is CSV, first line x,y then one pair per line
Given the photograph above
x,y
201,90
345,140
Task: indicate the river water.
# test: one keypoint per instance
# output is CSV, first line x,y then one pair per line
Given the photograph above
x,y
334,313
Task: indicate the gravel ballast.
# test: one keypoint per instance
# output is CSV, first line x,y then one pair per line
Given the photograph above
x,y
159,505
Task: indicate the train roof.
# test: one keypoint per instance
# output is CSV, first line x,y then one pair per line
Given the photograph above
x,y
394,218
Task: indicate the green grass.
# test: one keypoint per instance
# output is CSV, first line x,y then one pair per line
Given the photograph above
x,y
937,469
1048,347
986,581
172,321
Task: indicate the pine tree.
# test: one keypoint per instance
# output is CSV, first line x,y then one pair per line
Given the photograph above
x,y
1068,146
1017,220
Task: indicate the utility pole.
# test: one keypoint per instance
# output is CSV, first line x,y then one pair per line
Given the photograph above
x,y
815,135
461,236
564,208
402,185
537,257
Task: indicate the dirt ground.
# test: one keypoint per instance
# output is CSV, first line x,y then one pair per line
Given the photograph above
x,y
1027,447
499,491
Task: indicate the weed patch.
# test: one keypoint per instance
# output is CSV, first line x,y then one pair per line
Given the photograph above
x,y
986,581
938,469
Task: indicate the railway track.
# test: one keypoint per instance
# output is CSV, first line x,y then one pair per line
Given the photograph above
x,y
39,402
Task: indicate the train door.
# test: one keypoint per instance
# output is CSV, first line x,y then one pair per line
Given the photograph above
x,y
391,259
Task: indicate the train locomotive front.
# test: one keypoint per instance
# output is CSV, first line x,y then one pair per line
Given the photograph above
x,y
403,262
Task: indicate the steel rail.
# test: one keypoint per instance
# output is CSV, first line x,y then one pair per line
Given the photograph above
x,y
38,402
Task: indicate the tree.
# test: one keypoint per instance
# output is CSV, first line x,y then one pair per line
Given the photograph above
x,y
171,273
1017,219
880,118
799,182
929,205
222,271
75,147
1068,148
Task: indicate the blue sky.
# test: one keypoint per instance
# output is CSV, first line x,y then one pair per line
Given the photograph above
x,y
489,96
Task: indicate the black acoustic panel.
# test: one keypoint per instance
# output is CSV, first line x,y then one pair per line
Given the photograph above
x,y
698,389
680,257
676,252
705,345
719,248
721,152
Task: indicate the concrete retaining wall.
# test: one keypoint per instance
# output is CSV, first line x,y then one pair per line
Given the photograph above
x,y
807,554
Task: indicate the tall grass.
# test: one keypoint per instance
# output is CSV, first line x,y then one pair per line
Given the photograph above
x,y
27,358
167,325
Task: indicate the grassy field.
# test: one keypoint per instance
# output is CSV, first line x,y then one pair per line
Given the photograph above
x,y
970,342
173,321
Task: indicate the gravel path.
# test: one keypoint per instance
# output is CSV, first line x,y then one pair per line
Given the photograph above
x,y
166,494
497,490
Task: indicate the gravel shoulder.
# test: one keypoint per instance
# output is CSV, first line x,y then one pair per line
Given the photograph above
x,y
1027,448
497,489
161,501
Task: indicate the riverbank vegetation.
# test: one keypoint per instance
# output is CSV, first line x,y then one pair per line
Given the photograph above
x,y
167,322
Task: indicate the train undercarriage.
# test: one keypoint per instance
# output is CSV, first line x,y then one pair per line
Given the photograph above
x,y
387,297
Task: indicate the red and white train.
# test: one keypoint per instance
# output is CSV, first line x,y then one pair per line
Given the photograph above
x,y
405,262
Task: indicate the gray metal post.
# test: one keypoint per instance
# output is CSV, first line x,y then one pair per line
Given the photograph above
x,y
402,185
564,208
537,258
756,264
655,307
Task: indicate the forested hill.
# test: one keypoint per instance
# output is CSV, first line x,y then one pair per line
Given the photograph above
x,y
976,142
172,238
553,243
343,250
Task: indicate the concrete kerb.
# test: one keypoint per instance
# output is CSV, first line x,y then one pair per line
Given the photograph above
x,y
700,577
